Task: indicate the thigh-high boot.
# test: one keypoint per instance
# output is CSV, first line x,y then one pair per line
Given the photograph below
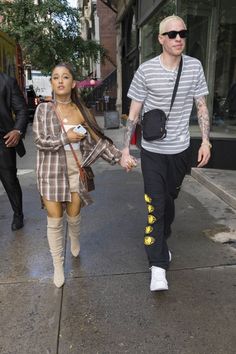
x,y
55,240
74,233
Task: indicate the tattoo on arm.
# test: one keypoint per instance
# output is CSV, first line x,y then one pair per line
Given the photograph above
x,y
130,126
203,117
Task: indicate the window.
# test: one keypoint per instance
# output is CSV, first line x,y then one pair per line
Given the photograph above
x,y
149,32
224,108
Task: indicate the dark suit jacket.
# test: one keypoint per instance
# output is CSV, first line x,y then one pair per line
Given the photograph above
x,y
12,101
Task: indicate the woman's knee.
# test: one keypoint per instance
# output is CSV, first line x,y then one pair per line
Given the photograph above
x,y
54,209
73,207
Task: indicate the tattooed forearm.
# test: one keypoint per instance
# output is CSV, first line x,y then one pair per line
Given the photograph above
x,y
130,126
134,112
203,117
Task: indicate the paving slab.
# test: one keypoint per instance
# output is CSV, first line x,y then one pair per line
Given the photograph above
x,y
30,314
200,216
24,253
113,228
118,314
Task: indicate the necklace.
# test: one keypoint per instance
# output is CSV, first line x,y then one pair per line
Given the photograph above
x,y
65,118
64,102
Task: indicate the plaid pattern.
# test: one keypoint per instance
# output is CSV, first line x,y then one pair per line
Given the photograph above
x,y
51,167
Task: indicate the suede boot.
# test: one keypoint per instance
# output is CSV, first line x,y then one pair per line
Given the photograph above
x,y
55,240
74,233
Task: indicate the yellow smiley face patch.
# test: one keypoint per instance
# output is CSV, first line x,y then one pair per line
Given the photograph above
x,y
148,230
151,219
149,240
147,198
150,208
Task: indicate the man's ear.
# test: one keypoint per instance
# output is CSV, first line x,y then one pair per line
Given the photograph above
x,y
160,39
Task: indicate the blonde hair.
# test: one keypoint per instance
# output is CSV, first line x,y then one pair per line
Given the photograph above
x,y
163,23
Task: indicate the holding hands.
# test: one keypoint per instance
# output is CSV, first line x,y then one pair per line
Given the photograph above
x,y
127,161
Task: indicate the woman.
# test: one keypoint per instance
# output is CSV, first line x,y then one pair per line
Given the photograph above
x,y
58,178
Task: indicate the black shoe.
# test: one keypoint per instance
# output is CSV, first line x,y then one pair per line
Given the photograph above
x,y
17,222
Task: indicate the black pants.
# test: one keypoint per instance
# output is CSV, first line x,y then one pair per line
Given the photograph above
x,y
163,176
8,177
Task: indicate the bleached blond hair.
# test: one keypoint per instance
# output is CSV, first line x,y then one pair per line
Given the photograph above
x,y
163,23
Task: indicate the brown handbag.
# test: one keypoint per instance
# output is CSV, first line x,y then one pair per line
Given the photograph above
x,y
88,178
86,172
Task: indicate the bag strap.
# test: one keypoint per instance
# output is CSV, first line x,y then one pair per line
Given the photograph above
x,y
176,85
81,170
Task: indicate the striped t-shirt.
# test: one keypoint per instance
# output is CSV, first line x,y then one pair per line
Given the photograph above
x,y
153,85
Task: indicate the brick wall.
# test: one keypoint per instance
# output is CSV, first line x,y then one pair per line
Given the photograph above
x,y
107,20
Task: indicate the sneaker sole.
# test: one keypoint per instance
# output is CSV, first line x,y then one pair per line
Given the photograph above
x,y
159,288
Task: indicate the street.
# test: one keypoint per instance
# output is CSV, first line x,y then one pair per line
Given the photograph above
x,y
105,306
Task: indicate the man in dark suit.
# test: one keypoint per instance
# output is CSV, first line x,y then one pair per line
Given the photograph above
x,y
13,123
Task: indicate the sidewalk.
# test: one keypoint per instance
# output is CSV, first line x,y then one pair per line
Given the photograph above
x,y
220,182
105,306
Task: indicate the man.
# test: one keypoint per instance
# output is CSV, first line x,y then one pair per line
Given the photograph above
x,y
12,129
165,162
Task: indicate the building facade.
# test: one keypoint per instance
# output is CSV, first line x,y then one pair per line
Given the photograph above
x,y
212,37
98,22
107,30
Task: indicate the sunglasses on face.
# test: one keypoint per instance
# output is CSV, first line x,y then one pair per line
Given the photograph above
x,y
173,34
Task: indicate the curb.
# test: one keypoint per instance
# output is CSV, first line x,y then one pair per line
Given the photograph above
x,y
208,178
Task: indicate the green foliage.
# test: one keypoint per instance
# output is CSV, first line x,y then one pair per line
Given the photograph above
x,y
48,34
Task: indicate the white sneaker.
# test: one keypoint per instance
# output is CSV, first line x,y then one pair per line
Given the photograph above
x,y
158,279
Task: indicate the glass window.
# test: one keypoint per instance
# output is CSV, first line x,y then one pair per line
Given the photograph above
x,y
149,32
132,33
224,107
197,16
212,37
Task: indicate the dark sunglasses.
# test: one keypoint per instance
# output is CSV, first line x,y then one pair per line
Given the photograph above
x,y
173,34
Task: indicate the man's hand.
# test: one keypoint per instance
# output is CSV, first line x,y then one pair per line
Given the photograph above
x,y
12,138
127,161
204,154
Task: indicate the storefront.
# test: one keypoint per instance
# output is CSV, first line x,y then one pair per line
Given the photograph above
x,y
212,38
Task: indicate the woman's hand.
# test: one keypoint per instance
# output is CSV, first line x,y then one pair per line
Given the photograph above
x,y
74,137
127,161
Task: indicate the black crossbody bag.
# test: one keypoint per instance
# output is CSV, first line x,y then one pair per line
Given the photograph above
x,y
154,121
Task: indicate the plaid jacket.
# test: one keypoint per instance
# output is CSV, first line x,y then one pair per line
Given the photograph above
x,y
51,167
